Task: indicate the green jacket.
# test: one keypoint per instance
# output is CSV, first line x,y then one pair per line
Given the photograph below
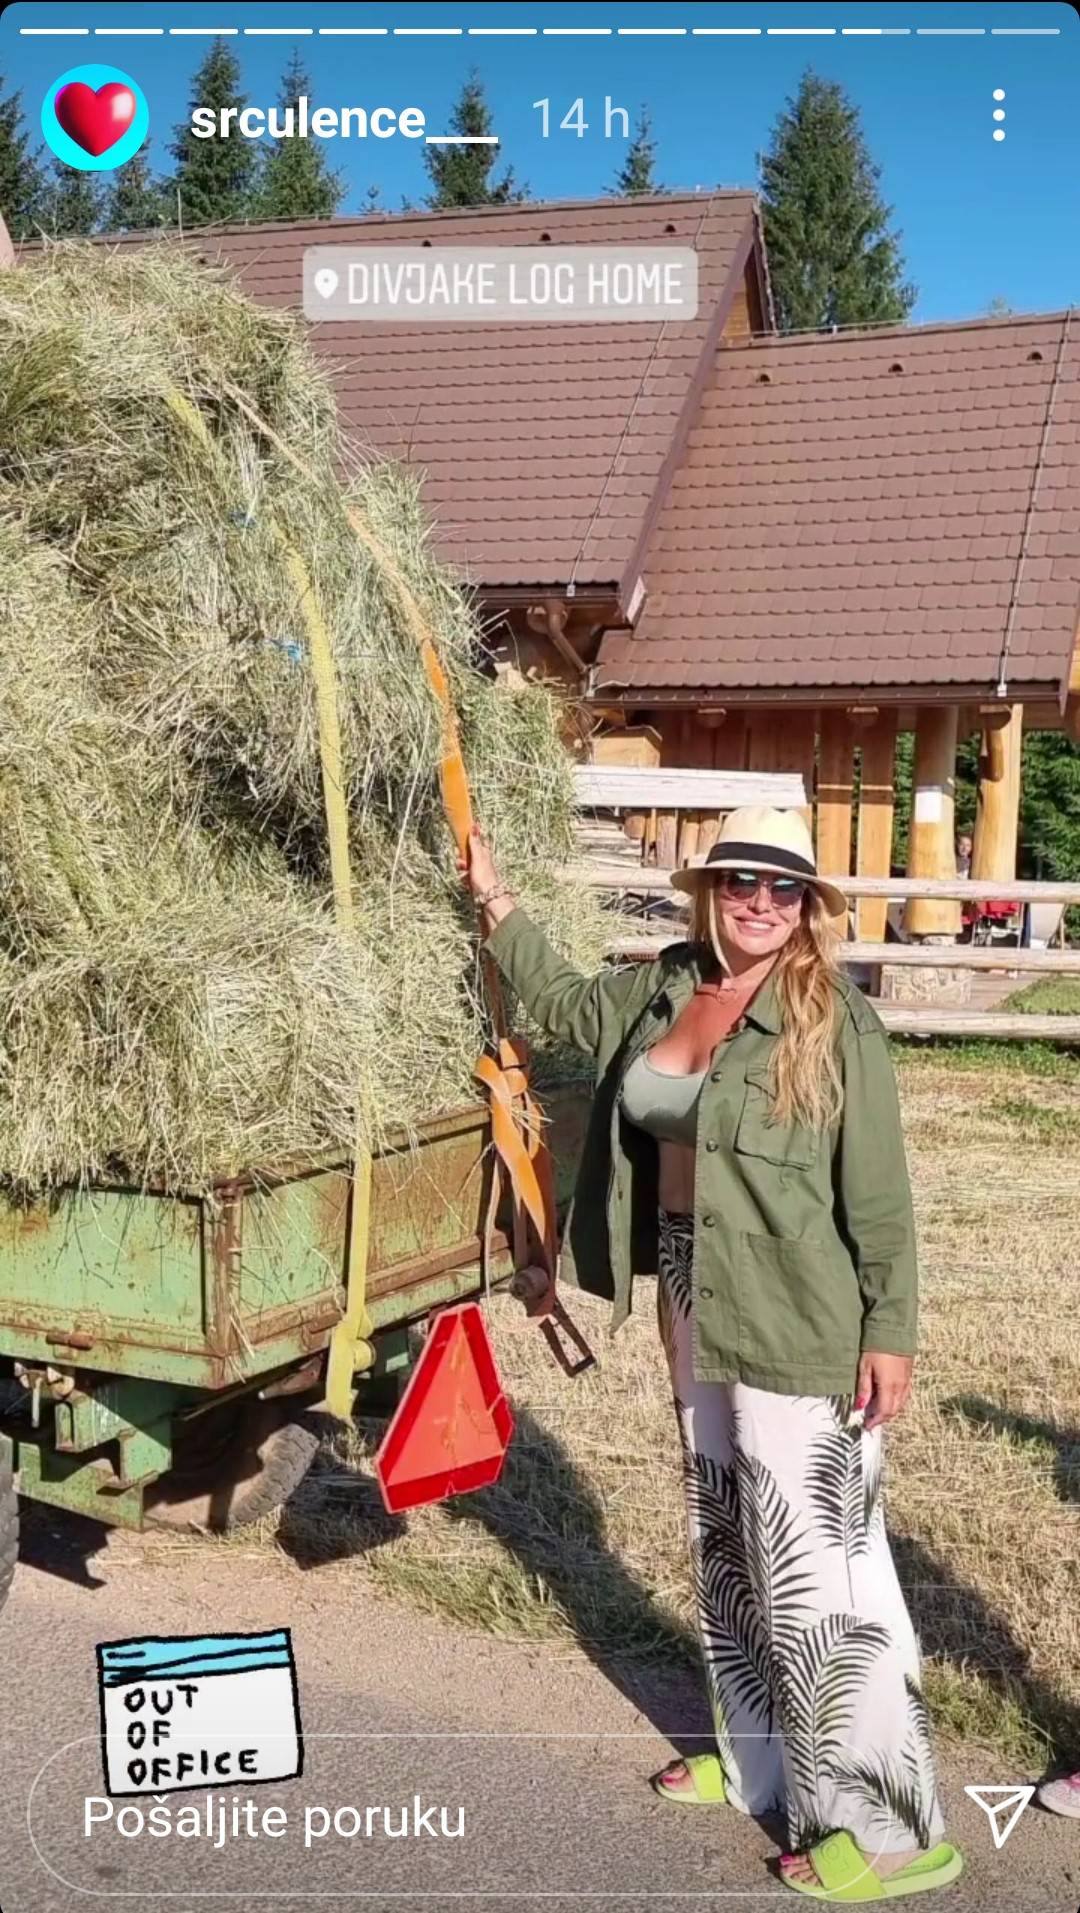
x,y
804,1240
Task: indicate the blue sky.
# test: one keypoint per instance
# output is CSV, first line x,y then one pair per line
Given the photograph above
x,y
979,219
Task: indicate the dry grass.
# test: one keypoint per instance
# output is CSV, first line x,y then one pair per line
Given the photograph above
x,y
175,999
583,1537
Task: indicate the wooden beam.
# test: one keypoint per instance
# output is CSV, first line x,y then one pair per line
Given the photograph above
x,y
620,786
931,839
875,827
905,1021
835,778
697,749
667,838
1072,701
997,813
665,806
600,876
911,956
963,956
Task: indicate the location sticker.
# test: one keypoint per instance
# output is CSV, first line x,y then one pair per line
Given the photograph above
x,y
326,282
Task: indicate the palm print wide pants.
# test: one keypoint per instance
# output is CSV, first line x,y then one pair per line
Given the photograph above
x,y
810,1654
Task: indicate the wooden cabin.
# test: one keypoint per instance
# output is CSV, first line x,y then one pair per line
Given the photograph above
x,y
741,550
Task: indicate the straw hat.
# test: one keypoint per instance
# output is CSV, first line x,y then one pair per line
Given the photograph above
x,y
757,838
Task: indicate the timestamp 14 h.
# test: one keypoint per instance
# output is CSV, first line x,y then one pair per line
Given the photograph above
x,y
616,120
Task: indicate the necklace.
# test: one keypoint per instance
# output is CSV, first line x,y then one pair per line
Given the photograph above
x,y
730,994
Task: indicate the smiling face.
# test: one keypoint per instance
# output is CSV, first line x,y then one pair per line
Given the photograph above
x,y
756,913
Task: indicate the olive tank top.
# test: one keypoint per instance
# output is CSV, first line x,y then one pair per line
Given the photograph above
x,y
665,1106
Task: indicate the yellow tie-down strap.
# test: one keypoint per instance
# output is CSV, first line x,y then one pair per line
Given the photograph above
x,y
350,1345
350,1348
517,1121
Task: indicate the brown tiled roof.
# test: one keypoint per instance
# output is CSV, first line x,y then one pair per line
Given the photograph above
x,y
542,445
889,508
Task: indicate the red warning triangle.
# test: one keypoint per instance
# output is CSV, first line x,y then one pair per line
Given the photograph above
x,y
453,1423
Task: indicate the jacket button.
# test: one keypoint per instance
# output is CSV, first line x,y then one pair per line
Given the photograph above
x,y
715,1076
708,1221
705,1294
712,1145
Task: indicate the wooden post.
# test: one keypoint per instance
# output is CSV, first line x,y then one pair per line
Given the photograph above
x,y
1072,701
932,842
836,768
667,838
697,750
722,734
997,814
836,765
785,741
667,821
875,826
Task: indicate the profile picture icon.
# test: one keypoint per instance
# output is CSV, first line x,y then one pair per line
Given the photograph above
x,y
94,117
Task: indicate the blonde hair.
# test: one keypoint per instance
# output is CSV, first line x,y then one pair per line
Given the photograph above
x,y
807,1075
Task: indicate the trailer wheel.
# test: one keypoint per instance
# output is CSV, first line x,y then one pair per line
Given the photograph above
x,y
233,1465
9,1521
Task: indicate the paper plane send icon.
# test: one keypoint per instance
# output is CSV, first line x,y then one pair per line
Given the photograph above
x,y
995,1803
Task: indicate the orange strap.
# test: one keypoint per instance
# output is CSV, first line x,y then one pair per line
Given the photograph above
x,y
516,1131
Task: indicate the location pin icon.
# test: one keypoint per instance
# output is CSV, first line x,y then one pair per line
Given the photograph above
x,y
326,282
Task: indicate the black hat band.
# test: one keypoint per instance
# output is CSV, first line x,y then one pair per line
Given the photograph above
x,y
755,854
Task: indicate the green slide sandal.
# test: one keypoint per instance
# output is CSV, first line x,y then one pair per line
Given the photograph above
x,y
709,1788
848,1879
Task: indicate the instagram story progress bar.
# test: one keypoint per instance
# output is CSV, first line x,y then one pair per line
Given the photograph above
x,y
415,285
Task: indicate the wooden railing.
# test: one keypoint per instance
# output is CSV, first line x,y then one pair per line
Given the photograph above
x,y
905,1018
627,877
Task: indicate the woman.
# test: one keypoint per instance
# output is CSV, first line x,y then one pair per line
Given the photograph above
x,y
745,1141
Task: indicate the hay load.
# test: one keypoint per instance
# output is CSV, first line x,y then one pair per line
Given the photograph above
x,y
177,1000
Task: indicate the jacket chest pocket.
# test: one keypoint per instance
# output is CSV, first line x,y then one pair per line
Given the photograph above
x,y
788,1145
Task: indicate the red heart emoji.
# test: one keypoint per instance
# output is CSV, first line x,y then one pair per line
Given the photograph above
x,y
95,121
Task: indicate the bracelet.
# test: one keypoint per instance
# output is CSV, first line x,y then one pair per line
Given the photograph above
x,y
489,896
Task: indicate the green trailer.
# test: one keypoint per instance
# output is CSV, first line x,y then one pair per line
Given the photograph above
x,y
161,1353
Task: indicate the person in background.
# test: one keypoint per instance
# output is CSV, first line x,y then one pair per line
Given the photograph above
x,y
745,1141
1061,1796
964,848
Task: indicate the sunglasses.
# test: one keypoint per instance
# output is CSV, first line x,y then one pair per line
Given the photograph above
x,y
741,885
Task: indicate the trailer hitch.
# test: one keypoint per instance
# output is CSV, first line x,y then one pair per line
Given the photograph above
x,y
534,1287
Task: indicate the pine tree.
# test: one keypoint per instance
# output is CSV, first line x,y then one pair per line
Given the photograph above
x,y
295,181
71,205
214,177
832,259
21,182
1050,805
461,175
635,175
137,201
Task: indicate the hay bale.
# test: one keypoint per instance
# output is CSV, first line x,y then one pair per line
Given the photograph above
x,y
176,1000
